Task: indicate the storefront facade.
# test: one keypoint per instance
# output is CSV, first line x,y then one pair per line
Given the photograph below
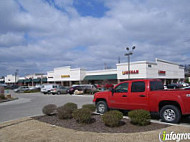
x,y
11,79
167,71
66,76
101,76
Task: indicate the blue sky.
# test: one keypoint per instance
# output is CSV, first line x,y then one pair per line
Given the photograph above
x,y
94,8
37,36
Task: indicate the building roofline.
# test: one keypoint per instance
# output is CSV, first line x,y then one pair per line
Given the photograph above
x,y
101,70
137,62
161,60
59,68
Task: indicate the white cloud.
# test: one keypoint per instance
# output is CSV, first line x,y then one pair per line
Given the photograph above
x,y
45,36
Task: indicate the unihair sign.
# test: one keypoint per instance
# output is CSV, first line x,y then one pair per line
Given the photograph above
x,y
130,72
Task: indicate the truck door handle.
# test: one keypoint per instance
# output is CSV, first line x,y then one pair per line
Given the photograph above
x,y
124,96
142,96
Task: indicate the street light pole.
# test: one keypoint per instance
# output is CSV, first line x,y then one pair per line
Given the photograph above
x,y
16,73
128,66
128,54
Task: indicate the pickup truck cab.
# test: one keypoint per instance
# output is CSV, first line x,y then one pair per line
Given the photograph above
x,y
147,94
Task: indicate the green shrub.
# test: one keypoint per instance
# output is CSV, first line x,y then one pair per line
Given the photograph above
x,y
112,118
82,115
71,106
2,96
49,109
139,117
91,107
65,111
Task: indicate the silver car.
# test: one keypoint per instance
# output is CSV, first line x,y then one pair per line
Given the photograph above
x,y
59,90
21,89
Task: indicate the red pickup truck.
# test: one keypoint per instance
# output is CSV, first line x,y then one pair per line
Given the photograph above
x,y
147,94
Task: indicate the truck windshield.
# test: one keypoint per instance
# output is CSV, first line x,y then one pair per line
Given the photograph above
x,y
156,85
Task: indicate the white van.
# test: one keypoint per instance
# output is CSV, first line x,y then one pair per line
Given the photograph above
x,y
46,88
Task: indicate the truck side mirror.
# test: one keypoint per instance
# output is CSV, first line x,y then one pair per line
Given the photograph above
x,y
112,90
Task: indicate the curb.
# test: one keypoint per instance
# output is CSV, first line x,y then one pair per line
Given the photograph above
x,y
154,121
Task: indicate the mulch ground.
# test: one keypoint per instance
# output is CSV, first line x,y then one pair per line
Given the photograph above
x,y
98,125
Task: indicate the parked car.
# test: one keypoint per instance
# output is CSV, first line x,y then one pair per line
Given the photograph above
x,y
82,87
108,85
183,84
147,94
174,86
3,85
165,87
72,89
104,86
21,89
59,90
46,88
14,86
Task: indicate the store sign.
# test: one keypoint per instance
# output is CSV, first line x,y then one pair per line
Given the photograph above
x,y
161,72
65,76
130,72
50,76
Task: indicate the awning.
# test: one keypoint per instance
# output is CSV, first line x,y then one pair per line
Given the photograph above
x,y
44,79
101,77
28,80
37,80
21,81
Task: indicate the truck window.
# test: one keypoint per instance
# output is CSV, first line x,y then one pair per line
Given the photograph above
x,y
156,85
122,88
138,86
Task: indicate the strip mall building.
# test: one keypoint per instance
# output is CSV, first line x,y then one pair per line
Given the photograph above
x,y
167,71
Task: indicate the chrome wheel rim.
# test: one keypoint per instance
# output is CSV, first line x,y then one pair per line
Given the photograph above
x,y
169,115
101,108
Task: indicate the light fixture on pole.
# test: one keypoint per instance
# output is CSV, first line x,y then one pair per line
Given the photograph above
x,y
129,52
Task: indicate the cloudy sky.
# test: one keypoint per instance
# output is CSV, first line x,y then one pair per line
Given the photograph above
x,y
39,35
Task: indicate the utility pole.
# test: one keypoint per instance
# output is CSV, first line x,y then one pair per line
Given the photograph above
x,y
129,52
16,73
119,60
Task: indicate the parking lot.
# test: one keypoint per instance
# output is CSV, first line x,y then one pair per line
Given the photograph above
x,y
30,104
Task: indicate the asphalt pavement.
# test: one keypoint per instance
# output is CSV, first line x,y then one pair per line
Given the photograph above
x,y
31,104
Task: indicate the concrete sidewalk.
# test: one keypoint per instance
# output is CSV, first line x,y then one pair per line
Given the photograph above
x,y
29,130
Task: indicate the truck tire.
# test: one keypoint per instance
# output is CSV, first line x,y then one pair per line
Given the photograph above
x,y
101,107
170,114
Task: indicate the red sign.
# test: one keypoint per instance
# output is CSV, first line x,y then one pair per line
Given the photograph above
x,y
162,72
130,72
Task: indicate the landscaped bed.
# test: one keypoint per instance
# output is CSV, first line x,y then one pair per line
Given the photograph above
x,y
98,125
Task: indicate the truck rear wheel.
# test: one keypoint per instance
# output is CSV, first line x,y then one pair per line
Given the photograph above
x,y
170,114
101,107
